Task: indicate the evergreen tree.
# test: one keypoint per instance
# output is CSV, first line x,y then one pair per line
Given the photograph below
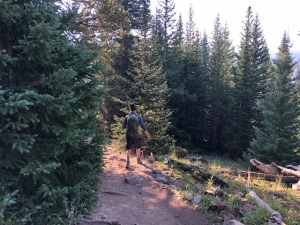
x,y
249,81
239,128
166,14
50,154
192,114
104,26
150,87
118,80
176,84
261,64
278,139
220,81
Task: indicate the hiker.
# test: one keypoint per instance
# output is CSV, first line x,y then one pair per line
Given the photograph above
x,y
132,122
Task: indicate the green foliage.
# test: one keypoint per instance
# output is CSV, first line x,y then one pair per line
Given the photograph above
x,y
249,84
181,152
50,148
220,82
278,141
256,217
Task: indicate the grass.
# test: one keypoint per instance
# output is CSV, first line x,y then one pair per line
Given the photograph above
x,y
278,195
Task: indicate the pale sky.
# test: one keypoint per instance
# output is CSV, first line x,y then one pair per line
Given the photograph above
x,y
276,16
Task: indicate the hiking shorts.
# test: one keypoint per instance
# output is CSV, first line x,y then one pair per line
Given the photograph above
x,y
133,142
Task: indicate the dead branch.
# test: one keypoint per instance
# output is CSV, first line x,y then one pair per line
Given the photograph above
x,y
255,175
287,171
266,168
199,175
275,218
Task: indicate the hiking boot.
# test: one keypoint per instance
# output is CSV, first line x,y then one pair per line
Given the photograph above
x,y
139,161
127,164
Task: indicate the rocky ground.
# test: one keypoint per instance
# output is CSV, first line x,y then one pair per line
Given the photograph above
x,y
142,195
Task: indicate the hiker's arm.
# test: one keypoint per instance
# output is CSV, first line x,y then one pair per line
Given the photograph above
x,y
125,122
143,126
147,135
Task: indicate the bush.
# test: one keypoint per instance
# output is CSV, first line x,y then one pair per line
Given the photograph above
x,y
181,152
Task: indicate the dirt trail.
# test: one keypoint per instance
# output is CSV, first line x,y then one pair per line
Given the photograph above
x,y
147,202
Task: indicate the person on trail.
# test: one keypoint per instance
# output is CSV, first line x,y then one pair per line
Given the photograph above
x,y
133,139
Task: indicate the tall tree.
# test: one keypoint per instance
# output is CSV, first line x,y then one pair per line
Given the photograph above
x,y
166,14
239,128
192,111
261,64
50,153
104,26
119,80
150,87
278,139
176,83
249,81
220,80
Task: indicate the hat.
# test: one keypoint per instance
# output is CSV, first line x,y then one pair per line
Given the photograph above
x,y
132,107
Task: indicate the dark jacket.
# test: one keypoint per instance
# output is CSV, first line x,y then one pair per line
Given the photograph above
x,y
141,122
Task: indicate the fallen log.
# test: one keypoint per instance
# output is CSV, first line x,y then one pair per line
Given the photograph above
x,y
263,176
266,168
297,168
199,175
287,171
275,217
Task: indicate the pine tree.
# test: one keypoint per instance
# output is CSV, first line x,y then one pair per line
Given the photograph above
x,y
249,80
261,64
104,26
176,83
278,139
150,87
50,153
239,128
166,14
220,80
192,113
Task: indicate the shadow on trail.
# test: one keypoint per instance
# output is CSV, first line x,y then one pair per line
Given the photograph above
x,y
142,203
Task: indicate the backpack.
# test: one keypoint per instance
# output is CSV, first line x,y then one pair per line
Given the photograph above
x,y
132,125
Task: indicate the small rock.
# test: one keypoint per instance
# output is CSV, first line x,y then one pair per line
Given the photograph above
x,y
197,199
156,171
173,186
189,197
241,194
134,180
162,179
219,193
232,222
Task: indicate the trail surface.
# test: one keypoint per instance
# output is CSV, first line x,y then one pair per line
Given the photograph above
x,y
139,196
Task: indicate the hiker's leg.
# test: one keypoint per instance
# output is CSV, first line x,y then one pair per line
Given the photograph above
x,y
128,153
137,143
138,155
129,146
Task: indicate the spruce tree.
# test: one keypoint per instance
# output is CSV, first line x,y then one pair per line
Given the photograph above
x,y
104,26
220,84
50,153
166,14
249,84
192,112
278,139
151,90
176,84
239,129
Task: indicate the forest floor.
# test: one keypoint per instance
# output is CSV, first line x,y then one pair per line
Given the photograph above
x,y
135,196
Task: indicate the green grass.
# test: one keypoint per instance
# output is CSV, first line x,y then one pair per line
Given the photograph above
x,y
235,196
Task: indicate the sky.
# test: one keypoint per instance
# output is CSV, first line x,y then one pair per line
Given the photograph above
x,y
275,16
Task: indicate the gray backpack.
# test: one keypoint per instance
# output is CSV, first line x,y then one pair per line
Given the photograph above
x,y
132,125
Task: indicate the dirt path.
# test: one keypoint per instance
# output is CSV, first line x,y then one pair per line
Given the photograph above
x,y
142,200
